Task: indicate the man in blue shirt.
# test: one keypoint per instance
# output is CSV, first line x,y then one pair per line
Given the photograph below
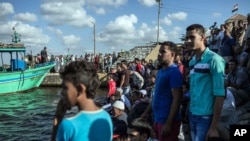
x,y
167,95
206,85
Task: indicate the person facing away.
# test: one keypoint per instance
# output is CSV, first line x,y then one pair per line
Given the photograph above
x,y
206,85
140,130
44,55
167,95
80,82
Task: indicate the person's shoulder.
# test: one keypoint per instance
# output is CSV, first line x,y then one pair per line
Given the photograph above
x,y
174,67
214,55
66,122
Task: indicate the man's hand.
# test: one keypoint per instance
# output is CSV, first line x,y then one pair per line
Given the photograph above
x,y
166,129
212,132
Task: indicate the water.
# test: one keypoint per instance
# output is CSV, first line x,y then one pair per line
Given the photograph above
x,y
28,116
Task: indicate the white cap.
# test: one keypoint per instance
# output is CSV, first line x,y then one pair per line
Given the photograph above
x,y
119,105
143,92
119,90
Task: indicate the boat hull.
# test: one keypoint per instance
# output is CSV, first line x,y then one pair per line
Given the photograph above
x,y
19,81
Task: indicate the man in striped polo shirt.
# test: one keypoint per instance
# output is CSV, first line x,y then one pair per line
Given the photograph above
x,y
206,85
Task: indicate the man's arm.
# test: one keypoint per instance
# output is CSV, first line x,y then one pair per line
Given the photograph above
x,y
212,132
147,112
218,80
177,96
122,80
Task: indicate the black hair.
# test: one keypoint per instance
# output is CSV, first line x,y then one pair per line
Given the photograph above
x,y
137,59
197,27
142,126
82,72
171,46
119,127
234,61
124,62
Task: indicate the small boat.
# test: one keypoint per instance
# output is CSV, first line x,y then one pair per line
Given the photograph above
x,y
17,73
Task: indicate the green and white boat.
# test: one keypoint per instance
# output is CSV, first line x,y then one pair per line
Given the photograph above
x,y
19,76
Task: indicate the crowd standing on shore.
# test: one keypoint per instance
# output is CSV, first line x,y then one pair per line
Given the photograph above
x,y
204,85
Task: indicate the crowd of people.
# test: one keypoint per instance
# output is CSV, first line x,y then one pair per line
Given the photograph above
x,y
204,84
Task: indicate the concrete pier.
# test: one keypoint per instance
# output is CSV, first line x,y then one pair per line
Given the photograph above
x,y
54,80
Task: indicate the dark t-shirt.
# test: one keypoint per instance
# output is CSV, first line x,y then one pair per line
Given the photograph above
x,y
126,72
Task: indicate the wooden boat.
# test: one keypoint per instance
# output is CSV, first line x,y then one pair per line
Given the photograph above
x,y
16,74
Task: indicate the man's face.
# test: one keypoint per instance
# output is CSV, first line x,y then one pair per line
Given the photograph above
x,y
69,94
232,66
165,56
194,40
117,112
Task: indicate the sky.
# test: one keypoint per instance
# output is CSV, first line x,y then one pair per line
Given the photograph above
x,y
67,26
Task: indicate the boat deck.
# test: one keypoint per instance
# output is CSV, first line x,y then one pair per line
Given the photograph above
x,y
14,47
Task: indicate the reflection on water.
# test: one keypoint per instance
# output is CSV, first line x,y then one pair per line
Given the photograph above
x,y
28,116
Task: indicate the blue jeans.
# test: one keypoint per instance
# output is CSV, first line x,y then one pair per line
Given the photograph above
x,y
199,126
126,90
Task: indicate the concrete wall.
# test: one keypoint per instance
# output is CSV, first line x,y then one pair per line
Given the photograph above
x,y
54,80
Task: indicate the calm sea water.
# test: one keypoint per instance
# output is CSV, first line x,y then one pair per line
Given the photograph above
x,y
28,116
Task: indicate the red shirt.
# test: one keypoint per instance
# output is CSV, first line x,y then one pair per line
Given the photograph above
x,y
112,87
138,68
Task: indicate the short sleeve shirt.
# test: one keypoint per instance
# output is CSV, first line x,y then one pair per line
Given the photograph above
x,y
206,81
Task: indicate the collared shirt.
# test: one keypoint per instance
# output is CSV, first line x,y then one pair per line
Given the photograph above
x,y
206,82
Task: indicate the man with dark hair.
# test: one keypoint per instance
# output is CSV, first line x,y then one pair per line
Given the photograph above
x,y
240,33
119,129
168,94
80,83
138,66
140,130
44,55
125,76
206,85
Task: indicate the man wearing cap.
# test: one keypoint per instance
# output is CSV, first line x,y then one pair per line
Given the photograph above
x,y
118,111
124,99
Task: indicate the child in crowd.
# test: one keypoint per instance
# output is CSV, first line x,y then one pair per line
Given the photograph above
x,y
80,82
111,85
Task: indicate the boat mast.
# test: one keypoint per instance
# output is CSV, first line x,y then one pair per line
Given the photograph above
x,y
16,37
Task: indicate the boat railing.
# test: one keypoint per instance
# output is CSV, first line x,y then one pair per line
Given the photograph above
x,y
44,64
13,45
